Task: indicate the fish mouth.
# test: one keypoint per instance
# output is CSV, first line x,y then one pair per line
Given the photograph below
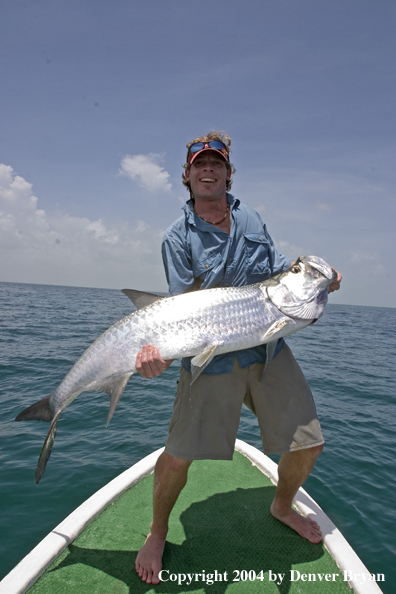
x,y
319,265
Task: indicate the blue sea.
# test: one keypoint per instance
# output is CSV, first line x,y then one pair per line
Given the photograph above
x,y
348,357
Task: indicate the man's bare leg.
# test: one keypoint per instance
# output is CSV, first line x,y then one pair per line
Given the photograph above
x,y
294,468
170,476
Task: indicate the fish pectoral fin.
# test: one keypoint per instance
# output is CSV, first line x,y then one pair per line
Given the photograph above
x,y
140,298
202,360
274,329
204,357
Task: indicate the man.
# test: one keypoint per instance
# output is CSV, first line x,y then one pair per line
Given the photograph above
x,y
222,242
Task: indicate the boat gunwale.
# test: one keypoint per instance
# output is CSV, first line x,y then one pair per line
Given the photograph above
x,y
334,542
24,575
31,568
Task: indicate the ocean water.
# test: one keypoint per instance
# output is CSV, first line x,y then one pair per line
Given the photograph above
x,y
348,358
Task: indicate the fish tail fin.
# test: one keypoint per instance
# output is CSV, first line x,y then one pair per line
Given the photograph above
x,y
46,451
39,411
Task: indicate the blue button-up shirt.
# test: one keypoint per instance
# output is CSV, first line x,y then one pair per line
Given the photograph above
x,y
197,255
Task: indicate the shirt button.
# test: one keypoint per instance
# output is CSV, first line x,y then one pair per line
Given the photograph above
x,y
260,239
206,265
230,259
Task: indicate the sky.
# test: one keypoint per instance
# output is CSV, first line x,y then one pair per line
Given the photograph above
x,y
99,99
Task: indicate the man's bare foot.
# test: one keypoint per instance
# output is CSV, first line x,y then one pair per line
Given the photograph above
x,y
148,562
305,527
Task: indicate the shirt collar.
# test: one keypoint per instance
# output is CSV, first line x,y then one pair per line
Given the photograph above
x,y
189,207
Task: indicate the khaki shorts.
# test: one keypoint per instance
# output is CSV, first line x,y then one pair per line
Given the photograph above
x,y
206,415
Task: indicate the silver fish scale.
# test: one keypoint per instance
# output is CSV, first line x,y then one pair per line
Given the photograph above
x,y
233,319
186,325
100,361
180,326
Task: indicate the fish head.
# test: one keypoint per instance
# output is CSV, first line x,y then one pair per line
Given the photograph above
x,y
302,290
309,276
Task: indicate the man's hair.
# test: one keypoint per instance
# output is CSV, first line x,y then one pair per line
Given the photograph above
x,y
214,135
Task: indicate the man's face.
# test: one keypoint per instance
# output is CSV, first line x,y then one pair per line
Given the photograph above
x,y
208,176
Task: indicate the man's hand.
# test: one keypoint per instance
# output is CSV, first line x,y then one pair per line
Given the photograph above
x,y
149,363
336,284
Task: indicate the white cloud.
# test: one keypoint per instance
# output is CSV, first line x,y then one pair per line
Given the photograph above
x,y
359,256
365,258
289,249
322,206
261,209
16,192
57,248
308,194
146,170
38,246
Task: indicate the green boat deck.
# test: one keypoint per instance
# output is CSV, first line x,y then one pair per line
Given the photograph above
x,y
221,532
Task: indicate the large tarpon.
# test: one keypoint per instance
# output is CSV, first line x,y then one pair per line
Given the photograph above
x,y
199,324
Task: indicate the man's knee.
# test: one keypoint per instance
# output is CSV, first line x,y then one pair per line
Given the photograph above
x,y
315,451
304,456
174,464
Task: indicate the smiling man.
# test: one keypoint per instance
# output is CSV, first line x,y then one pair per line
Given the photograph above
x,y
221,242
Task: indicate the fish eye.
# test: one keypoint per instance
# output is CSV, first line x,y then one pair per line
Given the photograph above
x,y
296,269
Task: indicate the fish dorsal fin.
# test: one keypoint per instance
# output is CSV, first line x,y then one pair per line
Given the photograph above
x,y
140,298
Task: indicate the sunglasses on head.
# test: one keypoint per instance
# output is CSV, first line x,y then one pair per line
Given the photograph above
x,y
216,145
213,144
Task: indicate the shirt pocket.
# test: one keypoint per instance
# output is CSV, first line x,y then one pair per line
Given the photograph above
x,y
257,255
204,266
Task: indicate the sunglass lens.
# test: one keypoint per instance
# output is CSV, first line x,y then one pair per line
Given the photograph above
x,y
198,146
216,144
